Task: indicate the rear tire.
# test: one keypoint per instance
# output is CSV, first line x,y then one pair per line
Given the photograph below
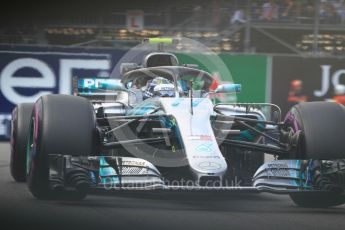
x,y
60,124
19,138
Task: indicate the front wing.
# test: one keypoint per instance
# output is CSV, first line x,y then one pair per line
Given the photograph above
x,y
109,173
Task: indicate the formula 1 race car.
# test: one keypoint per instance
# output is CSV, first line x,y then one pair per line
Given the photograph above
x,y
161,128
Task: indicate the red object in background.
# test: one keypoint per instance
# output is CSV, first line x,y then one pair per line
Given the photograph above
x,y
293,97
296,84
295,93
339,99
214,84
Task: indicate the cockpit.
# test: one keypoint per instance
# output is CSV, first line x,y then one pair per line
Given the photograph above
x,y
169,81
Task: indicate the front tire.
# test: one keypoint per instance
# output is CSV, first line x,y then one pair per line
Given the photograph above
x,y
321,128
317,200
60,124
21,115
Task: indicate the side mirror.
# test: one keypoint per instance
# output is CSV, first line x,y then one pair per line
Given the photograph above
x,y
228,88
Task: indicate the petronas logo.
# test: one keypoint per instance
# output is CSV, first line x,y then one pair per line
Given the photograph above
x,y
205,148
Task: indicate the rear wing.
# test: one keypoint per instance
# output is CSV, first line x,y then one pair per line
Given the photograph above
x,y
97,88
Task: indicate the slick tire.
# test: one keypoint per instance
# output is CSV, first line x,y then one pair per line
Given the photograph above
x,y
60,124
317,200
19,139
322,130
332,182
321,127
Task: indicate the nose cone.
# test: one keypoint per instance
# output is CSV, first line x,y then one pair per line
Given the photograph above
x,y
204,156
200,145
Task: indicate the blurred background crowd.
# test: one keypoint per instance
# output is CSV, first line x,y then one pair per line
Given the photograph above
x,y
261,26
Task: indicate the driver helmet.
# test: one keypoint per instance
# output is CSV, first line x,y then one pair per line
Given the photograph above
x,y
159,87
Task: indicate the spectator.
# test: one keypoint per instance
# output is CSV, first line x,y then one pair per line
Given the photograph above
x,y
327,12
339,9
309,9
288,7
238,17
296,94
269,11
255,11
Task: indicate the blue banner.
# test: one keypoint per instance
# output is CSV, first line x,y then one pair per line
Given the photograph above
x,y
27,72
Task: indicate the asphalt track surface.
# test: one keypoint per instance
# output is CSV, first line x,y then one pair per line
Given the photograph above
x,y
19,210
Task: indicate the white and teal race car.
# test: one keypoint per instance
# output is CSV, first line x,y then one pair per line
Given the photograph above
x,y
161,128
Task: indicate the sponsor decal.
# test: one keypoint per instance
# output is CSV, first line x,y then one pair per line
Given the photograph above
x,y
208,165
94,83
204,148
200,138
134,163
197,101
177,102
277,165
281,173
207,157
